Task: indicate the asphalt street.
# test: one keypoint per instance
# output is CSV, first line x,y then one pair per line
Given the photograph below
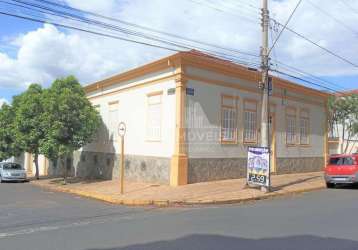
x,y
35,219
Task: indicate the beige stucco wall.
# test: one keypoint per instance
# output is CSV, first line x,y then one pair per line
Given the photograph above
x,y
204,121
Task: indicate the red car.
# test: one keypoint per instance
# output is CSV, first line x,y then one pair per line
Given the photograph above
x,y
341,169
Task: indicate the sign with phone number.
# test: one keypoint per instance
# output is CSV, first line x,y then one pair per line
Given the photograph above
x,y
258,166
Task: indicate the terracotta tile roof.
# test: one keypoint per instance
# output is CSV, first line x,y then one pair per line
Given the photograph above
x,y
350,92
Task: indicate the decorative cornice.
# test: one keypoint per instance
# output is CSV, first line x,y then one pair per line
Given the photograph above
x,y
181,60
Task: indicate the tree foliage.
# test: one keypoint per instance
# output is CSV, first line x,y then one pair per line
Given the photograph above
x,y
343,111
71,121
29,124
8,146
54,122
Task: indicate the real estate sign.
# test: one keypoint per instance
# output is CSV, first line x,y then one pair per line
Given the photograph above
x,y
258,166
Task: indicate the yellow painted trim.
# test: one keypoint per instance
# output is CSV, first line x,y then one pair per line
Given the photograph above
x,y
249,100
151,94
201,61
309,127
155,66
235,70
113,102
325,136
160,92
179,161
333,141
250,90
235,107
286,125
140,85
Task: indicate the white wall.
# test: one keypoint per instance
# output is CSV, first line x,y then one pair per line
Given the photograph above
x,y
133,111
351,144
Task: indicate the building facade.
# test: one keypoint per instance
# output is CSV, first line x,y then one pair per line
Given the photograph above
x,y
338,137
191,117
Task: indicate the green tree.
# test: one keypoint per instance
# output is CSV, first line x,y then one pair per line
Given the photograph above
x,y
8,145
343,111
29,129
71,121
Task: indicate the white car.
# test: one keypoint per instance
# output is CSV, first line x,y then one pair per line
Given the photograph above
x,y
12,172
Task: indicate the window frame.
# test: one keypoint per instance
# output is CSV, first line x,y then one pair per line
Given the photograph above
x,y
148,96
109,104
100,130
252,101
308,132
287,115
235,109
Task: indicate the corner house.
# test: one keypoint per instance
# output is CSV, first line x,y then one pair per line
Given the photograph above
x,y
190,118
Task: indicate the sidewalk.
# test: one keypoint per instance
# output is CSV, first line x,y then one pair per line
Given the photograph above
x,y
216,192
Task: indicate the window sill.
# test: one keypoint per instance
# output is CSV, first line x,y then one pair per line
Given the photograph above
x,y
228,142
250,142
152,140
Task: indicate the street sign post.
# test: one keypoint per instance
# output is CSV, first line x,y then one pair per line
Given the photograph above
x,y
121,132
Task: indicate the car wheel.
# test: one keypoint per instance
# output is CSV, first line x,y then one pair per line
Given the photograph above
x,y
329,185
0,179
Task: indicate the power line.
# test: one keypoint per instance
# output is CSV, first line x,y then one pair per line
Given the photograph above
x,y
334,18
113,36
87,31
89,21
306,81
350,7
239,6
145,27
305,38
272,29
252,20
284,27
319,46
309,75
230,58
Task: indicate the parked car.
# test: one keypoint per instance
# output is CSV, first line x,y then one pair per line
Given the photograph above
x,y
12,172
341,169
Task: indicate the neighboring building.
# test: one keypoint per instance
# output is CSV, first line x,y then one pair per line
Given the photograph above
x,y
27,161
190,118
339,141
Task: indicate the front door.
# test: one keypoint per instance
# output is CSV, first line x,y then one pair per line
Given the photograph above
x,y
273,142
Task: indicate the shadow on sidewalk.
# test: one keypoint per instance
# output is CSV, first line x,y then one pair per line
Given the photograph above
x,y
216,242
277,188
69,180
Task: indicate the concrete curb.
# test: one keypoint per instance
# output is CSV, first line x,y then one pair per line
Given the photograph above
x,y
169,203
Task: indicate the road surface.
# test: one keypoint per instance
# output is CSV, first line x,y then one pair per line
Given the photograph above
x,y
35,219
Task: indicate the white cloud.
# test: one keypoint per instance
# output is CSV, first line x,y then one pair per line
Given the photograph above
x,y
48,52
2,101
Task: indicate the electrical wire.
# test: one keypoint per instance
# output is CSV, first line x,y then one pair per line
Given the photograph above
x,y
185,46
306,81
284,27
118,37
334,18
350,7
145,27
306,74
174,44
319,46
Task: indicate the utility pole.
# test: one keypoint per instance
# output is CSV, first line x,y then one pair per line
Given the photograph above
x,y
264,85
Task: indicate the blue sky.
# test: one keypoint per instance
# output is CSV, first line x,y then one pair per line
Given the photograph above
x,y
32,52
